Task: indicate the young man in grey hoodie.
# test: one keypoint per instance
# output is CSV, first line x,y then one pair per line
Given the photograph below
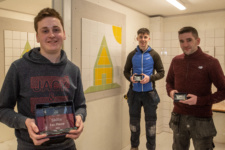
x,y
43,75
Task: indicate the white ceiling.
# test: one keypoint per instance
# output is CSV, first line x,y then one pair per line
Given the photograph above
x,y
163,8
147,7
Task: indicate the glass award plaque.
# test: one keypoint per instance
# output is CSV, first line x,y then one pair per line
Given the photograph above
x,y
138,78
55,119
180,97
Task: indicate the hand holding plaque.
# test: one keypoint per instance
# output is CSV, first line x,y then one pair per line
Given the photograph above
x,y
180,97
138,78
55,119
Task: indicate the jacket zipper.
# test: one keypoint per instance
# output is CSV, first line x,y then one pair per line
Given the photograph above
x,y
142,68
187,73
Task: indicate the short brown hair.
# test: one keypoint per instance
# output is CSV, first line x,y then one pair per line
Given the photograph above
x,y
143,31
187,30
47,12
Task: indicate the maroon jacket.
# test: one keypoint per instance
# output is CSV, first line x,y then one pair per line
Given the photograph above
x,y
194,74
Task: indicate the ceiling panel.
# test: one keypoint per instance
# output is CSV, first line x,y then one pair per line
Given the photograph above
x,y
163,8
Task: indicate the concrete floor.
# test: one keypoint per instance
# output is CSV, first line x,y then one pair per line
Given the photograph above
x,y
164,142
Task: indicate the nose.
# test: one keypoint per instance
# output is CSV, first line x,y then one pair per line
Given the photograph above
x,y
51,34
185,44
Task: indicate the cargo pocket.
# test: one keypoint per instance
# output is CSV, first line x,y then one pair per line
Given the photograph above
x,y
205,127
154,96
174,122
130,96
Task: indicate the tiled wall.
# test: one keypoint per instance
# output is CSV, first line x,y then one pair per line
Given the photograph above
x,y
14,44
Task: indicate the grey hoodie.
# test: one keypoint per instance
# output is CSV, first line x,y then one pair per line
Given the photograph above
x,y
31,80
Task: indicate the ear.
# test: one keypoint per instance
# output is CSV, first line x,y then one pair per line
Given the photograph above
x,y
38,41
198,41
64,35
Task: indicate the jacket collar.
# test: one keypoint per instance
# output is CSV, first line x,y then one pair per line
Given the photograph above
x,y
195,54
139,50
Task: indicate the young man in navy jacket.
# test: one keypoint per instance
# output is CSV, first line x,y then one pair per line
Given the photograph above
x,y
139,70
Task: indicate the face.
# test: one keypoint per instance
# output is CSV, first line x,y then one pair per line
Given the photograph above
x,y
143,40
188,43
50,35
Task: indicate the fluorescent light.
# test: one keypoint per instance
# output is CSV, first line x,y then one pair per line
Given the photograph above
x,y
176,4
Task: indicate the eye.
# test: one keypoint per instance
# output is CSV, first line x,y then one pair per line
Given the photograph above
x,y
181,41
189,40
56,30
45,31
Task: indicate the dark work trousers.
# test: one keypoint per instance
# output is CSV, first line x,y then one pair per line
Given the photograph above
x,y
22,145
201,130
135,101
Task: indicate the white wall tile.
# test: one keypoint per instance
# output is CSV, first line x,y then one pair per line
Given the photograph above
x,y
210,51
201,34
202,42
219,51
175,43
174,51
31,36
16,35
36,44
16,43
23,43
6,69
157,43
16,52
209,42
221,59
209,33
174,35
8,61
15,58
167,43
219,41
31,43
167,36
8,52
8,43
157,35
219,33
23,35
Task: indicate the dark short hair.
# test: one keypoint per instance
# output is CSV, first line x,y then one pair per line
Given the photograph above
x,y
47,12
189,29
143,31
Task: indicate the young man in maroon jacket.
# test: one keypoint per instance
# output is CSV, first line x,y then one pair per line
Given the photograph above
x,y
191,75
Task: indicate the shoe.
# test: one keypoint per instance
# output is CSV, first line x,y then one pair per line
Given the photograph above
x,y
134,148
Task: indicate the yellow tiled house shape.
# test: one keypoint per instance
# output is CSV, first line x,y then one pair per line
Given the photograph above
x,y
103,69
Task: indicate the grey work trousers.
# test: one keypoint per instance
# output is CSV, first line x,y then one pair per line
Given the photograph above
x,y
135,101
200,130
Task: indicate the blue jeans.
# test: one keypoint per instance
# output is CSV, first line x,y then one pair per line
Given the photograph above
x,y
201,130
135,101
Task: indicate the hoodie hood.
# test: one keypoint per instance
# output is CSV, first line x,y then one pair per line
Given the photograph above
x,y
34,56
